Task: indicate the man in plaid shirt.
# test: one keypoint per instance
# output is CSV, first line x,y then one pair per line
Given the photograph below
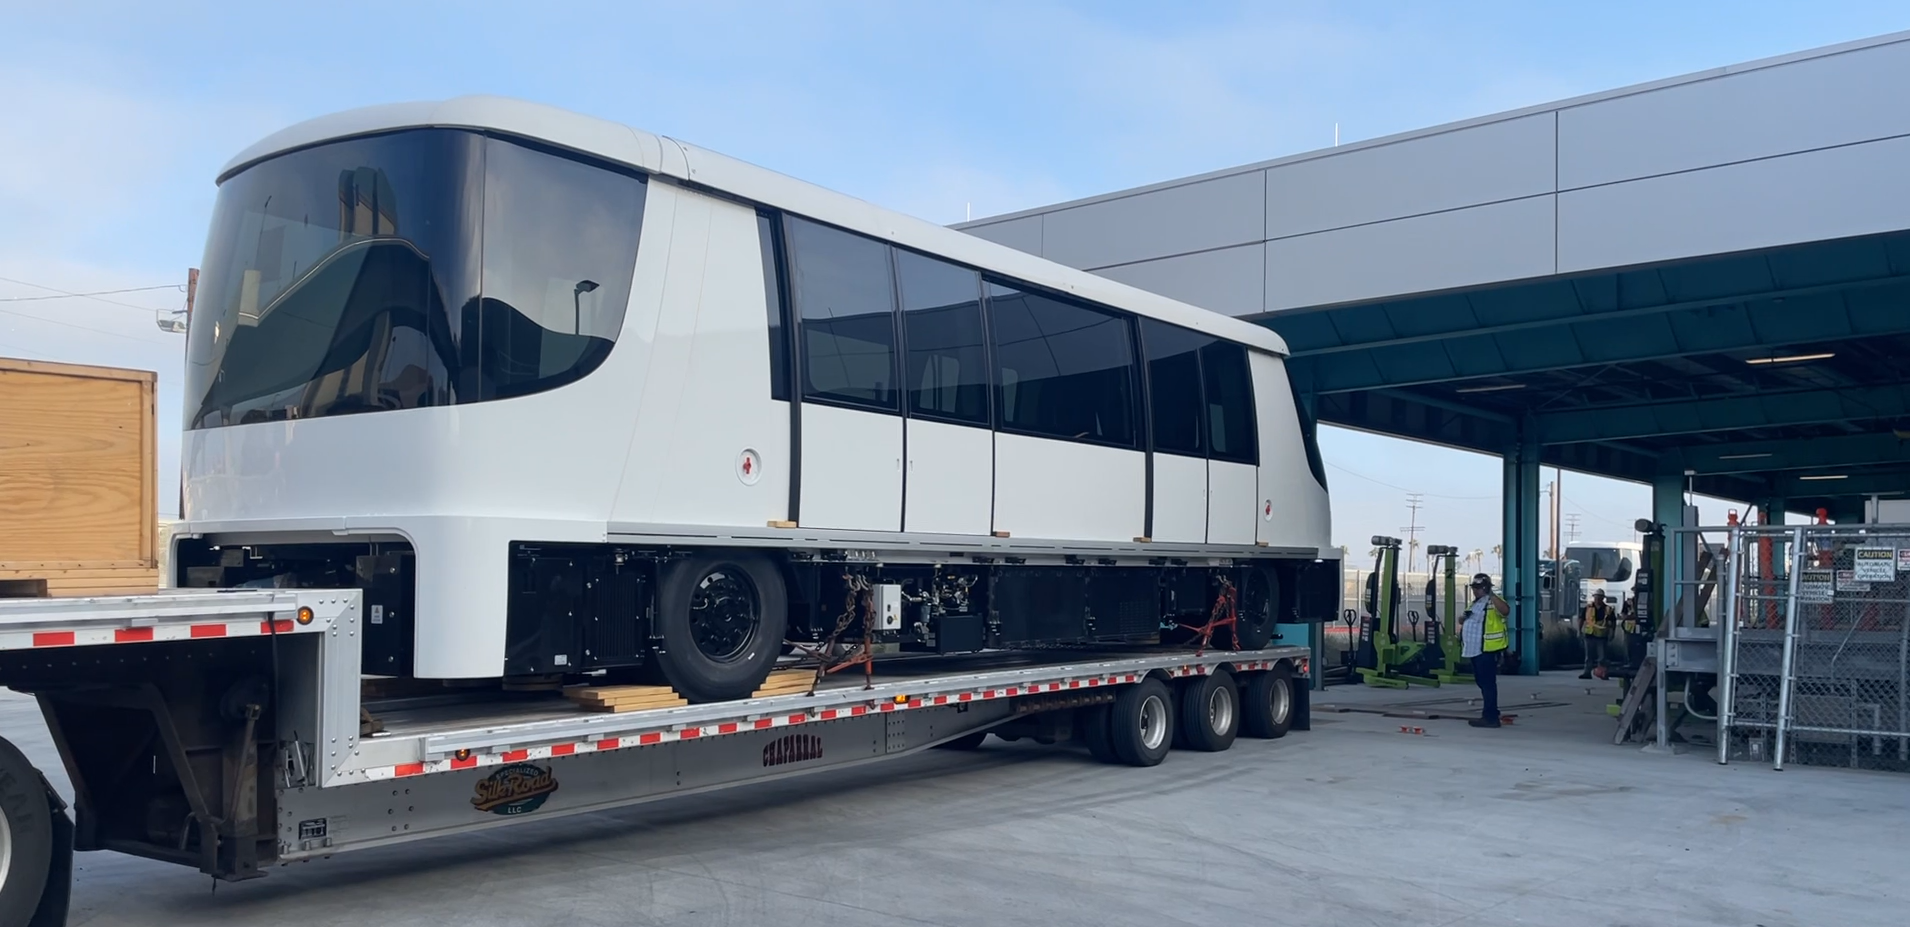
x,y
1473,641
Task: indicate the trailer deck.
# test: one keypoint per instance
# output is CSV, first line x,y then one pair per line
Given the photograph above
x,y
242,713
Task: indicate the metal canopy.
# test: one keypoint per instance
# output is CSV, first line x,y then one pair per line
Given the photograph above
x,y
1749,370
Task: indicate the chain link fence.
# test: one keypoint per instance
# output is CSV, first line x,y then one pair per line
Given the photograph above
x,y
1817,646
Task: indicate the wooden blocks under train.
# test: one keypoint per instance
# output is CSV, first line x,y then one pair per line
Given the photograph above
x,y
624,698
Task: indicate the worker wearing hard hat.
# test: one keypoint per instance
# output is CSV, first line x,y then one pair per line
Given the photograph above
x,y
1595,626
1482,638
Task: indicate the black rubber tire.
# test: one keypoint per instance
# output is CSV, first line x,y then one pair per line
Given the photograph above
x,y
1266,703
29,823
1094,729
1141,723
700,677
1209,712
1256,611
964,742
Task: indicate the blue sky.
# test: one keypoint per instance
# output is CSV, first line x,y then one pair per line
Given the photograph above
x,y
116,116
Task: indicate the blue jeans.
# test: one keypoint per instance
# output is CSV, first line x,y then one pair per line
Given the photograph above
x,y
1485,671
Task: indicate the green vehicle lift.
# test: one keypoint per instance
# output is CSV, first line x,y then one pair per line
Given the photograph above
x,y
1384,660
1442,619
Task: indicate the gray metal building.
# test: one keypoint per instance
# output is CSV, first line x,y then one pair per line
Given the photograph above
x,y
1700,283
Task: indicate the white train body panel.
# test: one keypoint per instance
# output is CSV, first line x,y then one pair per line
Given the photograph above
x,y
709,446
1180,499
857,461
1057,490
1293,507
676,431
950,479
1233,496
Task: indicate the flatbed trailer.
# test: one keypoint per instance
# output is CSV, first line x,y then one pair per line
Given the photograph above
x,y
233,730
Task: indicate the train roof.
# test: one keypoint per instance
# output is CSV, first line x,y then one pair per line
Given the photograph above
x,y
655,154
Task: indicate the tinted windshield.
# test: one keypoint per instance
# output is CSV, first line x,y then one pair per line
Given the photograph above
x,y
1602,563
413,269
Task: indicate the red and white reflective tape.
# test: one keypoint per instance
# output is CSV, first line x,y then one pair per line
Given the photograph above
x,y
767,721
92,637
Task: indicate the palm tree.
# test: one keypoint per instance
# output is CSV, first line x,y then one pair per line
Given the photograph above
x,y
1477,559
1498,553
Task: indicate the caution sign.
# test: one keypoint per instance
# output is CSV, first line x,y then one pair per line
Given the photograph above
x,y
1814,585
1875,564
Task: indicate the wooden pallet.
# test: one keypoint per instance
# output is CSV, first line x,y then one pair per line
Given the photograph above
x,y
788,682
624,698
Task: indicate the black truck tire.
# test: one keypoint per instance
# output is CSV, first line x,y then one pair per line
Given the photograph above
x,y
964,742
1141,723
1257,610
26,836
1094,729
722,617
1266,703
1209,712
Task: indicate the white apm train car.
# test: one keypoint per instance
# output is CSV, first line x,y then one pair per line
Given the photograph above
x,y
564,396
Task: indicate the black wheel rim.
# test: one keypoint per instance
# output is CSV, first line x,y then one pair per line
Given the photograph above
x,y
724,614
1256,605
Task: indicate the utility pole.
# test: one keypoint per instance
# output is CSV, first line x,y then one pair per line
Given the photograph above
x,y
1558,492
1571,528
1414,500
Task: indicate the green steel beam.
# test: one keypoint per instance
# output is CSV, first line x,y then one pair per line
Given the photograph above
x,y
1857,484
1868,310
1726,413
1800,454
1584,317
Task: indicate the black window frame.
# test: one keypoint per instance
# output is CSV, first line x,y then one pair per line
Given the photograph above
x,y
1138,419
769,231
990,415
1143,323
1309,435
797,344
786,334
1252,421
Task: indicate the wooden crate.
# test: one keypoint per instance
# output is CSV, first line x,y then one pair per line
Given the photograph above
x,y
77,472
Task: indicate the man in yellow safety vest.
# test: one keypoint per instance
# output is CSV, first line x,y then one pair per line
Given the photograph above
x,y
1596,629
1482,636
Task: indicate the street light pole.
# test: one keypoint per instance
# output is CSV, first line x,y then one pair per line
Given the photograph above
x,y
577,304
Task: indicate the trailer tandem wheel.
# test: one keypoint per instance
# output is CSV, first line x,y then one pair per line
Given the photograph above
x,y
1141,723
1266,703
1209,712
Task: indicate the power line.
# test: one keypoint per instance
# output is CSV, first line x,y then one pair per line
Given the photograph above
x,y
110,302
84,328
130,289
1404,489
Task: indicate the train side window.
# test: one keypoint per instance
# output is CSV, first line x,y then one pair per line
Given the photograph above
x,y
942,328
1174,387
844,294
1230,424
1065,370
